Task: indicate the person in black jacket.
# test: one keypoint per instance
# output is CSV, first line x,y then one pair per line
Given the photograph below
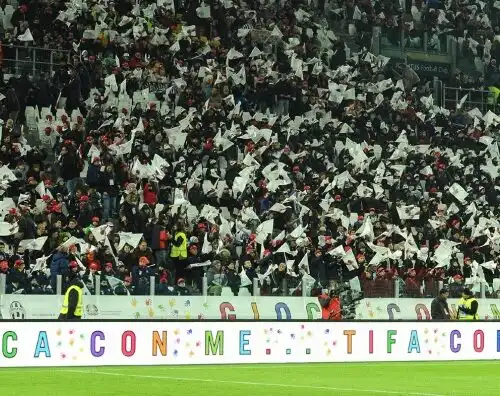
x,y
439,306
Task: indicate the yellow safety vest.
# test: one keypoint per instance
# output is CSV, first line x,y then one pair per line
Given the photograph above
x,y
493,95
79,305
467,303
179,251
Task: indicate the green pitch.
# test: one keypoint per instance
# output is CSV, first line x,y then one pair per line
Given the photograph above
x,y
424,379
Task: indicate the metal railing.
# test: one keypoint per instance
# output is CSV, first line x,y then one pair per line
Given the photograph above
x,y
378,288
417,41
32,60
154,289
475,98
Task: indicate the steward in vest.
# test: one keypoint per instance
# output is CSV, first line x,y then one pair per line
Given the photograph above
x,y
72,307
467,306
179,245
179,252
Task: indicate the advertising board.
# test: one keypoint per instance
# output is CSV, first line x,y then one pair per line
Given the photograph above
x,y
91,343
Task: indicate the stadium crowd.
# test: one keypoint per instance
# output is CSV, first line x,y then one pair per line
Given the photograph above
x,y
239,141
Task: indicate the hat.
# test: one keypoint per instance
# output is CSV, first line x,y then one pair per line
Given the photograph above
x,y
18,263
73,264
467,292
443,290
181,280
94,266
143,260
96,159
84,198
96,219
109,265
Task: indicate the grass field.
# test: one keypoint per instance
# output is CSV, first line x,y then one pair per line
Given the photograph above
x,y
431,379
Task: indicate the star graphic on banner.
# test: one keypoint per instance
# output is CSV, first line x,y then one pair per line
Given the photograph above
x,y
334,343
327,331
328,352
178,341
59,343
326,343
279,331
292,336
302,327
201,317
265,331
187,303
63,356
190,331
71,342
59,332
435,331
148,302
188,345
191,354
426,331
426,341
176,331
368,304
71,332
487,317
176,352
205,305
198,343
309,333
171,302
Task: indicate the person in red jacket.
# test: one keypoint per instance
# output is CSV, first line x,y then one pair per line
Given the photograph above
x,y
150,196
330,306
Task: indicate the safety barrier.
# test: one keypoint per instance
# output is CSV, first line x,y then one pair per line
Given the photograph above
x,y
32,60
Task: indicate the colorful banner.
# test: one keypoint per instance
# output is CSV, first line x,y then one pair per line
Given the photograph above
x,y
19,307
172,343
416,309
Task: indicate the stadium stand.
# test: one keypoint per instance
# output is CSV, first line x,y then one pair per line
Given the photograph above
x,y
229,147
